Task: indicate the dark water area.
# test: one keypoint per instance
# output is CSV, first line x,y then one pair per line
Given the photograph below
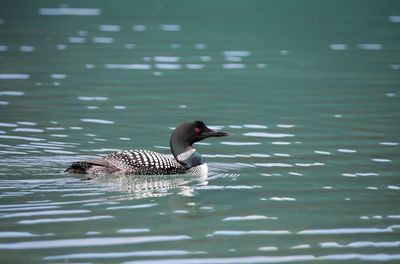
x,y
309,90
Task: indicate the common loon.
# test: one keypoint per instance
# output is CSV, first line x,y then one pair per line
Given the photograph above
x,y
145,162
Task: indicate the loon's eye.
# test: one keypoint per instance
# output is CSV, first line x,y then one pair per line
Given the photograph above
x,y
197,129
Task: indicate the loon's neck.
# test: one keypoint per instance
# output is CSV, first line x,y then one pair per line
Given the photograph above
x,y
181,147
187,156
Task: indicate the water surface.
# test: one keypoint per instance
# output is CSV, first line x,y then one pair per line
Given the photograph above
x,y
309,89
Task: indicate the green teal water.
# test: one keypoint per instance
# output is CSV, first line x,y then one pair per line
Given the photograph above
x,y
309,89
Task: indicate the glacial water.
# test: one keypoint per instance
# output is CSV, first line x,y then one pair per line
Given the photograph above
x,y
309,90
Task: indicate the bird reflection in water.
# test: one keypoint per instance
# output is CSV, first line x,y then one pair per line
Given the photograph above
x,y
132,187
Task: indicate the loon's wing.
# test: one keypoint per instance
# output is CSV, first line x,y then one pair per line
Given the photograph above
x,y
129,162
143,162
84,166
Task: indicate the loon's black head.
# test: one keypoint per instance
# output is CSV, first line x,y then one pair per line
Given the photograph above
x,y
186,134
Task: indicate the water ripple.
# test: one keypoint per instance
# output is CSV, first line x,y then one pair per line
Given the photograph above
x,y
64,11
249,217
15,76
21,138
13,234
90,242
132,230
240,143
267,135
49,212
150,253
251,232
346,231
98,121
251,259
64,220
361,244
139,206
269,165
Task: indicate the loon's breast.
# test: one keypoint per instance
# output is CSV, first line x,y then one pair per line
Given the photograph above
x,y
138,162
201,169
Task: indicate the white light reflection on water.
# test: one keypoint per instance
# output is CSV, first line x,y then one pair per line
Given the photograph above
x,y
361,244
150,253
338,46
269,165
250,232
8,125
394,19
250,259
271,259
76,40
347,150
103,40
354,230
255,126
110,28
237,53
231,66
170,27
26,48
168,66
39,213
21,138
10,234
64,220
195,66
64,11
240,143
370,46
389,143
137,206
139,27
249,217
29,130
381,160
267,135
132,230
14,76
98,121
128,66
166,59
90,242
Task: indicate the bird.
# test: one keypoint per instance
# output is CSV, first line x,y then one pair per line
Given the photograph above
x,y
187,160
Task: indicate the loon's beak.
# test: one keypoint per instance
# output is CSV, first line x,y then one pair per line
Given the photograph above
x,y
215,133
